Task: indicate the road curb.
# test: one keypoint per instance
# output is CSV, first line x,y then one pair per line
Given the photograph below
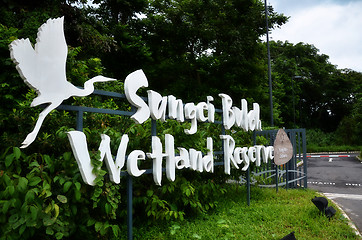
x,y
350,223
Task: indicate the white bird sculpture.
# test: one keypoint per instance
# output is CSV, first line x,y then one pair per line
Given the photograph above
x,y
43,69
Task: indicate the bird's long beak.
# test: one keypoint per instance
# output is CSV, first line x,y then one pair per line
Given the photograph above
x,y
106,79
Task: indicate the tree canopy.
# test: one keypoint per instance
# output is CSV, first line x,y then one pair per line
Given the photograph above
x,y
214,46
311,91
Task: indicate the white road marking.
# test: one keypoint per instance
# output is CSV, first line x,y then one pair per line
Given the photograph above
x,y
341,195
330,160
353,184
322,183
333,183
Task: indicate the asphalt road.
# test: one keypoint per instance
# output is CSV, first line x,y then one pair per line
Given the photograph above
x,y
339,179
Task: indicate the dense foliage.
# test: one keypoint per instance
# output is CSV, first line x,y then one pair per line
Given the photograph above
x,y
313,93
188,48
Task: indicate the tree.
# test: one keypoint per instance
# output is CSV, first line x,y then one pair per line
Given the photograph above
x,y
207,47
350,127
213,46
309,89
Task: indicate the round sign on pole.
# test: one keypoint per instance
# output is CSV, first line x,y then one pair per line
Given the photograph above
x,y
283,148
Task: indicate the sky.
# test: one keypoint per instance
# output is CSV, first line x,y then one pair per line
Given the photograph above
x,y
332,26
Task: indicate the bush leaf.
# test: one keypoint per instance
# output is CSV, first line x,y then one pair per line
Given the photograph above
x,y
62,198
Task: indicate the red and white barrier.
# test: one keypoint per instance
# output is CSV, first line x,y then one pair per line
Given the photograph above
x,y
327,156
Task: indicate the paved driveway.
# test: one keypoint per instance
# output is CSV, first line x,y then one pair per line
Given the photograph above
x,y
340,179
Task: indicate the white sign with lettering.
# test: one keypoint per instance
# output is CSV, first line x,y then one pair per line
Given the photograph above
x,y
43,69
158,108
283,148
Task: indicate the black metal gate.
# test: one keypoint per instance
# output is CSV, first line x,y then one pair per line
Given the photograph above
x,y
290,175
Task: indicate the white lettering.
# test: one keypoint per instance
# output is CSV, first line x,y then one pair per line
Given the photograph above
x,y
182,161
114,168
79,146
190,113
196,160
233,156
175,109
192,159
170,157
78,143
157,105
233,116
132,160
209,158
229,145
210,109
156,155
133,82
228,115
201,107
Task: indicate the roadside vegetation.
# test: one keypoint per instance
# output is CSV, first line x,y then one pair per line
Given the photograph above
x,y
319,141
271,215
43,197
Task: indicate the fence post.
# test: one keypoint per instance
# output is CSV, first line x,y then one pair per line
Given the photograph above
x,y
248,175
153,127
79,120
276,177
129,207
248,186
272,139
305,158
287,165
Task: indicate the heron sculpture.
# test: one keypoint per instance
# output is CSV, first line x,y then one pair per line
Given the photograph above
x,y
43,69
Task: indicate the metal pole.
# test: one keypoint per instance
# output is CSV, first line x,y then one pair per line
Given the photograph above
x,y
248,175
153,127
248,186
293,161
286,174
129,207
305,158
269,66
79,125
276,177
293,102
293,94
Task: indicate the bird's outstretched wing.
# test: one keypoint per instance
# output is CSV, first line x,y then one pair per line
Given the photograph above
x,y
23,55
44,65
51,43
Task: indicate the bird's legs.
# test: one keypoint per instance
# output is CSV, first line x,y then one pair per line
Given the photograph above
x,y
31,136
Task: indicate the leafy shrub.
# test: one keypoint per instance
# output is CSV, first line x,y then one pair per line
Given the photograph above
x,y
42,195
319,141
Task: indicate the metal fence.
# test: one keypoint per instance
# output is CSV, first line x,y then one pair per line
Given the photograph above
x,y
293,174
289,175
80,110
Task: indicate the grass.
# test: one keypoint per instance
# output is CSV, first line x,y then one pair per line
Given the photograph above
x,y
271,215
